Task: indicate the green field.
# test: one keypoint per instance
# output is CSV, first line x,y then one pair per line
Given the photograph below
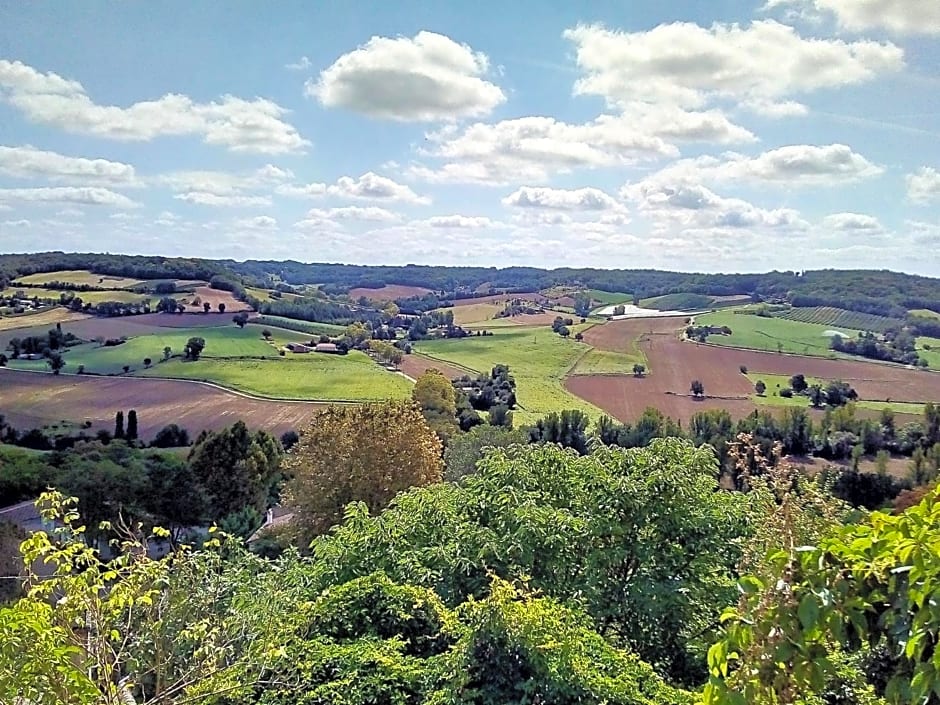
x,y
610,298
924,313
79,277
932,356
222,342
607,362
96,297
678,302
538,359
474,313
773,334
312,376
841,319
302,326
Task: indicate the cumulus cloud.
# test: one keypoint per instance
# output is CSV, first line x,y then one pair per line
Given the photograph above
x,y
27,162
428,77
204,198
258,222
373,213
852,222
582,199
896,16
923,186
86,195
533,148
368,187
792,165
469,222
255,126
687,65
694,205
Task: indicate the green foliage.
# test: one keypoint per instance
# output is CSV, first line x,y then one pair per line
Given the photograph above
x,y
873,583
640,539
236,468
465,450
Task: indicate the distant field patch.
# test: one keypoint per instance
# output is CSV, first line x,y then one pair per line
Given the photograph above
x,y
214,297
475,313
609,297
353,377
538,359
80,277
261,294
94,297
302,326
929,349
500,298
774,334
924,313
389,292
678,302
48,317
840,318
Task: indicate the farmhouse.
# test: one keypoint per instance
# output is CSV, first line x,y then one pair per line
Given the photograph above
x,y
299,347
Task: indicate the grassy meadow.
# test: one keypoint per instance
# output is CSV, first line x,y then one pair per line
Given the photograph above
x,y
538,358
310,376
777,382
79,277
772,334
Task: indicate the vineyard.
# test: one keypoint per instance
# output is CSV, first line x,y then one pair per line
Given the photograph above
x,y
840,318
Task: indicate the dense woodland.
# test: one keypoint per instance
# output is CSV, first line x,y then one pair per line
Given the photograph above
x,y
878,292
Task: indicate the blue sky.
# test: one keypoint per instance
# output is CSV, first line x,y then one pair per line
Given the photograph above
x,y
722,136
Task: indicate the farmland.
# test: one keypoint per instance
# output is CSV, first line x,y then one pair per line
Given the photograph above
x,y
475,313
840,318
389,292
769,333
79,277
34,400
609,297
352,377
48,317
96,297
538,359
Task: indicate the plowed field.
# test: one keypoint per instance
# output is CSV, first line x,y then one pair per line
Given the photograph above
x,y
416,365
29,399
675,363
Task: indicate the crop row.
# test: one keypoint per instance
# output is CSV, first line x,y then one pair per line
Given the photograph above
x,y
840,318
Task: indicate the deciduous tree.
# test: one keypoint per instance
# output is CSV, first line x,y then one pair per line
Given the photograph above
x,y
364,453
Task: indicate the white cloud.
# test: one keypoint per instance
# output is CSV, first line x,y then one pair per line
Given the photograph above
x,y
775,108
22,223
582,199
430,77
239,125
223,183
695,206
368,187
687,65
26,162
258,222
533,148
204,198
302,65
460,221
923,186
792,165
354,213
852,222
86,195
896,16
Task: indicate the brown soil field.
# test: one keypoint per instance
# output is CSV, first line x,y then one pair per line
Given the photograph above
x,y
415,365
674,364
526,296
389,292
33,399
216,297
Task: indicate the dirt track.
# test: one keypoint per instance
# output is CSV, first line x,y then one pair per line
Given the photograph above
x,y
30,399
675,363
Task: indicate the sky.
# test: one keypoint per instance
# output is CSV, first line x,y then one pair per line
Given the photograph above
x,y
692,136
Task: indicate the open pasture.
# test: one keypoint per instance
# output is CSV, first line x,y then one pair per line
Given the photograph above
x,y
538,358
501,299
840,318
389,292
608,297
770,333
214,297
924,313
316,376
80,277
474,314
93,297
34,400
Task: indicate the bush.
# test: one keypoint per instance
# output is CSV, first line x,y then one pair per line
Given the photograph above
x,y
786,392
171,436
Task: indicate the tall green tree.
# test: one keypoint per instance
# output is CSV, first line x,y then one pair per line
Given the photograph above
x,y
131,433
119,424
236,468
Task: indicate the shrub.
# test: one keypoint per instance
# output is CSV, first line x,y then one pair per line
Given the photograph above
x,y
786,392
